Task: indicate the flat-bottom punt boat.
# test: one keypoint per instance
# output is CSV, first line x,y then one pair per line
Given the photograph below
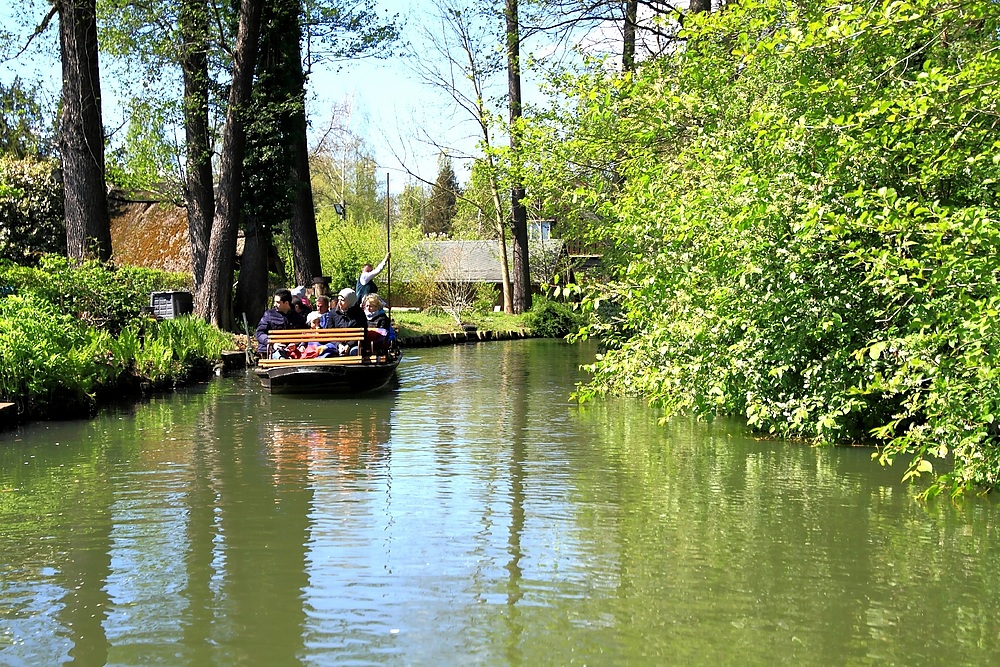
x,y
343,375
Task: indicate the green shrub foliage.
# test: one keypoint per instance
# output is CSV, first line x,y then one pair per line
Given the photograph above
x,y
100,294
552,319
31,210
70,334
802,202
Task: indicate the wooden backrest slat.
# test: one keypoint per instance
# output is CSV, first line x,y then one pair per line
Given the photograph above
x,y
356,332
316,361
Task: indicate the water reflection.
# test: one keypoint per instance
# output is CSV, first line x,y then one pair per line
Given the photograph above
x,y
474,515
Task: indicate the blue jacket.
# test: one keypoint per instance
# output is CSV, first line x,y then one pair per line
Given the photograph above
x,y
275,319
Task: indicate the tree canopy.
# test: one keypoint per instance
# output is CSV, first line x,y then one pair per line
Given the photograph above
x,y
798,212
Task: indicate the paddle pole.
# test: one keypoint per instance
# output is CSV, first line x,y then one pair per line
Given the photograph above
x,y
388,268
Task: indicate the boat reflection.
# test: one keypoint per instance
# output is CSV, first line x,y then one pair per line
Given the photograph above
x,y
350,440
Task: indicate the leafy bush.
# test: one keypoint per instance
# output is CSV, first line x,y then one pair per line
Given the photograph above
x,y
802,207
56,364
49,361
31,210
552,319
176,350
345,247
100,294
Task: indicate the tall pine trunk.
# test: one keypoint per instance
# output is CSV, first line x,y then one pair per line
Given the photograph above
x,y
81,134
215,295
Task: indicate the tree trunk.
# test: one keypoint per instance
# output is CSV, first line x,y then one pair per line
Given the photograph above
x,y
81,134
508,300
251,291
700,6
215,295
302,226
628,51
199,193
519,214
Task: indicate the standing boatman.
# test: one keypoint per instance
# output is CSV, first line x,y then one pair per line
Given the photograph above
x,y
365,285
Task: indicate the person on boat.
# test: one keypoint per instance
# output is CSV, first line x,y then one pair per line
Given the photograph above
x,y
323,308
375,312
301,306
366,285
380,332
281,316
348,314
300,292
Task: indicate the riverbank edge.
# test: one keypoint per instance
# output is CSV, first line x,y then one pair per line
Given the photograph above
x,y
455,337
236,361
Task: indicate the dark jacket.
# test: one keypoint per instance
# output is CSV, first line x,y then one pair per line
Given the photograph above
x,y
275,319
364,290
352,317
378,320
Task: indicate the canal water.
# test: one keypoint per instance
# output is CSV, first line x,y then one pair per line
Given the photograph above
x,y
473,515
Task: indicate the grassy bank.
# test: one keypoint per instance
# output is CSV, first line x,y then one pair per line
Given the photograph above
x,y
547,319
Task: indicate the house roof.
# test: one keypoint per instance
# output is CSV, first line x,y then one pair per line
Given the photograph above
x,y
479,261
150,233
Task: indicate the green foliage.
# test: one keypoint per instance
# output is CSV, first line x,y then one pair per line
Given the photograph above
x,y
484,298
176,350
800,212
53,365
149,157
31,210
49,361
26,128
99,294
476,213
552,319
345,247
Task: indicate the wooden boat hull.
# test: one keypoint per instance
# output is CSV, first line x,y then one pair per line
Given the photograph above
x,y
309,378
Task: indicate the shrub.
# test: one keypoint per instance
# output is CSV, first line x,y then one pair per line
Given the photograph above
x,y
31,210
552,319
100,294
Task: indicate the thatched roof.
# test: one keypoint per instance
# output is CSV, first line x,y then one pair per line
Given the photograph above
x,y
150,233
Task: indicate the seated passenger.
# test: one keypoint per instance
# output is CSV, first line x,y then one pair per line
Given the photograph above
x,y
281,316
375,312
380,332
323,308
348,314
301,306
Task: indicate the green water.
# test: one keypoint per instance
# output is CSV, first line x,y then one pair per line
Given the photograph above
x,y
474,515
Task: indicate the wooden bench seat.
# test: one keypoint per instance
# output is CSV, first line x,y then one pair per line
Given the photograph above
x,y
317,361
286,336
350,336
